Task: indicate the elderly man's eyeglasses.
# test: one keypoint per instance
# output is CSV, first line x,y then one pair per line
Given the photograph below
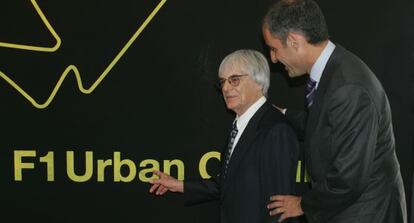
x,y
234,80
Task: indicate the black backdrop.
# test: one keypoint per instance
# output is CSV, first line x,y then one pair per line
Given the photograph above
x,y
150,97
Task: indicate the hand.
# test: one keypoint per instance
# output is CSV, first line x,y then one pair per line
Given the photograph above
x,y
165,183
286,205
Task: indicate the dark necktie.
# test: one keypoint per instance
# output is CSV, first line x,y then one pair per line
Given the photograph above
x,y
310,91
232,136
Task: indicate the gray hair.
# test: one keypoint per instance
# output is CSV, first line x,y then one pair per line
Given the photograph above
x,y
250,62
302,16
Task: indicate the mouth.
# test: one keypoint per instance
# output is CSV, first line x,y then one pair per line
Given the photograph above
x,y
230,97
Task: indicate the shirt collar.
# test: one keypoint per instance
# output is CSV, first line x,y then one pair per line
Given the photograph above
x,y
319,65
246,116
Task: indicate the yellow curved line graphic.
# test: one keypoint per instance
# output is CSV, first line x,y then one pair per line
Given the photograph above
x,y
37,48
76,71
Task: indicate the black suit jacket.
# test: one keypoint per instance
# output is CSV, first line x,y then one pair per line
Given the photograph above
x,y
263,164
349,147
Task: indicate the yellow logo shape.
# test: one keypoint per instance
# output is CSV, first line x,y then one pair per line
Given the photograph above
x,y
37,48
70,67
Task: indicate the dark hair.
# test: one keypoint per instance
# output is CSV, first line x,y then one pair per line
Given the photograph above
x,y
302,16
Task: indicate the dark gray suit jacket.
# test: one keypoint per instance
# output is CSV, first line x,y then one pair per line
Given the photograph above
x,y
263,164
349,147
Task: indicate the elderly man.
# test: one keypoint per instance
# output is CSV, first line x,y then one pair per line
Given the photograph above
x,y
261,155
349,143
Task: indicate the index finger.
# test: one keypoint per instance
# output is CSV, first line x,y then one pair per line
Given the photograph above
x,y
275,204
158,173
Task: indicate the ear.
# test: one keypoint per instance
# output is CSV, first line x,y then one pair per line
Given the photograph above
x,y
295,40
260,91
257,86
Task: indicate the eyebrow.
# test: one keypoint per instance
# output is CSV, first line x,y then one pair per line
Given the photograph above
x,y
233,75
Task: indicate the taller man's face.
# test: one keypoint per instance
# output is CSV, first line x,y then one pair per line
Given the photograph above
x,y
287,54
242,92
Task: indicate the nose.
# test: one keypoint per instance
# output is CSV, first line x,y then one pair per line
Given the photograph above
x,y
226,86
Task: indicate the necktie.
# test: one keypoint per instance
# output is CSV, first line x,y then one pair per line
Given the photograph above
x,y
310,91
232,136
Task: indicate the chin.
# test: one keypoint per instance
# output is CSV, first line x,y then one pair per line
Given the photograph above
x,y
231,106
232,102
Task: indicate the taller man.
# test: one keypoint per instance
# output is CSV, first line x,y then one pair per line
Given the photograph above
x,y
349,143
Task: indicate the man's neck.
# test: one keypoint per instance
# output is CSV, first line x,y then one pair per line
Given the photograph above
x,y
314,51
262,99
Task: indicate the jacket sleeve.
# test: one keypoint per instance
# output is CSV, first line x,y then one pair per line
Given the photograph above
x,y
353,129
278,164
201,191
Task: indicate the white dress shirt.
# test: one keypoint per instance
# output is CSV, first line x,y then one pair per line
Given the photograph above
x,y
320,64
244,119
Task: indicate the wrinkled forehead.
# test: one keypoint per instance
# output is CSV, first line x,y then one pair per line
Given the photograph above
x,y
233,66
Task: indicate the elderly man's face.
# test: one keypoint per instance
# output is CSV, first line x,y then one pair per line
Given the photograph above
x,y
239,95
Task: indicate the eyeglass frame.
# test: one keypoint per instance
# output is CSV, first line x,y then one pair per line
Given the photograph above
x,y
234,80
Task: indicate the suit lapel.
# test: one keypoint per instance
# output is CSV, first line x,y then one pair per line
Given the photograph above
x,y
315,109
243,145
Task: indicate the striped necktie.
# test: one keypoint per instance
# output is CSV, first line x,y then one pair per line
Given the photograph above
x,y
232,136
310,91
